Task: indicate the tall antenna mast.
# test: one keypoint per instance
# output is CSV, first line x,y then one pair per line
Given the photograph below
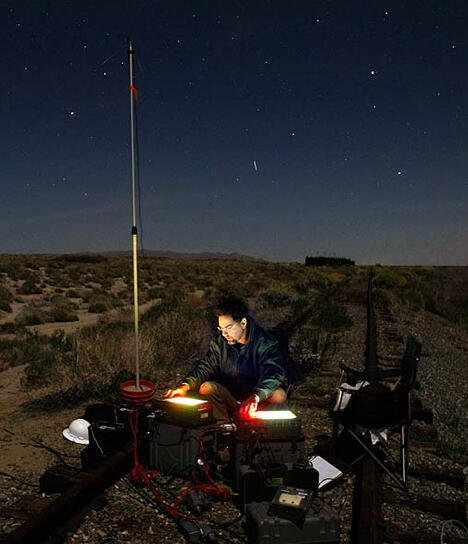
x,y
133,97
135,392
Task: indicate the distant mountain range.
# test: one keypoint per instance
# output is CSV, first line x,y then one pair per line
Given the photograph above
x,y
176,255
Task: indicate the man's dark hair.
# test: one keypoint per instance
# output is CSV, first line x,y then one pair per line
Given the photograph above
x,y
235,307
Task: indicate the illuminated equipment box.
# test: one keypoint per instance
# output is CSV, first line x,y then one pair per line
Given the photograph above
x,y
174,449
184,411
270,437
320,525
272,424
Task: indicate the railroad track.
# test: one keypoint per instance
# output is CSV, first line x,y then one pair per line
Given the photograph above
x,y
374,494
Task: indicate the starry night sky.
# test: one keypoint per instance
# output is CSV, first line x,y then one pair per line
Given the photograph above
x,y
354,113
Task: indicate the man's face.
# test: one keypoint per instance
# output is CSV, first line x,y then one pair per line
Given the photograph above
x,y
233,331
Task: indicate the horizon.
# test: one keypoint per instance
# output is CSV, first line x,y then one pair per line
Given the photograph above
x,y
199,255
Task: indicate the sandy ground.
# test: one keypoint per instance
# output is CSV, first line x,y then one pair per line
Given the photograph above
x,y
21,430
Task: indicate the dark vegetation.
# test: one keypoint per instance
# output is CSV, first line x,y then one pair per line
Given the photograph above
x,y
328,261
176,328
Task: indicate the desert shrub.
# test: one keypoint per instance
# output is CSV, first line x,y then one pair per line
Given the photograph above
x,y
315,338
62,313
30,287
388,278
106,283
310,286
84,294
331,316
305,348
177,337
39,353
52,352
11,328
98,307
414,293
102,302
155,292
31,315
73,293
5,299
275,298
382,299
59,299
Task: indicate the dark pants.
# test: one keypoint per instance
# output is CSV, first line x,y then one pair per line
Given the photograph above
x,y
226,407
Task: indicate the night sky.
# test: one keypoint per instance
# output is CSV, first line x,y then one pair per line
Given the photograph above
x,y
276,129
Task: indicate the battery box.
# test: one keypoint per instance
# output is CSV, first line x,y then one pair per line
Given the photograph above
x,y
106,438
266,452
258,484
174,448
320,526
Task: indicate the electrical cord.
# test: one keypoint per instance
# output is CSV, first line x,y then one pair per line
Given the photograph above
x,y
40,444
16,479
456,526
60,455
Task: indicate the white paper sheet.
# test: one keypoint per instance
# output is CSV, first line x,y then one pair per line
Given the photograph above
x,y
326,470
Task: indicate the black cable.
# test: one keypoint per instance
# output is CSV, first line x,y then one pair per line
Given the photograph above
x,y
60,455
15,478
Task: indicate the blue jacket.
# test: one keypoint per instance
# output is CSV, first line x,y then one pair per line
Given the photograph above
x,y
256,368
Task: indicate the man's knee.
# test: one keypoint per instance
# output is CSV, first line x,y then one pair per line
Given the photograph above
x,y
278,397
207,388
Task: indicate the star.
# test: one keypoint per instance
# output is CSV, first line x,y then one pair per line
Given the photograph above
x,y
72,113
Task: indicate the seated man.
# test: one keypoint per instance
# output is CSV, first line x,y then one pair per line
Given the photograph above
x,y
243,364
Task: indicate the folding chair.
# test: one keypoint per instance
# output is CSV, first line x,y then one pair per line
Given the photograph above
x,y
374,407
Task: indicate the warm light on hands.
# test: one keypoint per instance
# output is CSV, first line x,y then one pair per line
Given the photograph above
x,y
177,392
249,406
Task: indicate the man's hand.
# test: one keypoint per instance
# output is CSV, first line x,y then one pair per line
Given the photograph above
x,y
249,406
180,391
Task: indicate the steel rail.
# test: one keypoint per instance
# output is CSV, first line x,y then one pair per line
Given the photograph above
x,y
67,505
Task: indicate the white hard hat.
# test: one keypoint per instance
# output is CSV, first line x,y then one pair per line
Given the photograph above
x,y
77,431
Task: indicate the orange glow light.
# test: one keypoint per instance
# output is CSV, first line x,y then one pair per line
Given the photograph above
x,y
186,401
273,414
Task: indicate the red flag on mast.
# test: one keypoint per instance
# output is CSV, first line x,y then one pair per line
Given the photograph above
x,y
134,92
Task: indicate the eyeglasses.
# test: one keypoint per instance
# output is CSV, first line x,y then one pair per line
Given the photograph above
x,y
227,328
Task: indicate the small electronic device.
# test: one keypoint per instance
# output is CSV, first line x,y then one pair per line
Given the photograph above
x,y
184,411
291,503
